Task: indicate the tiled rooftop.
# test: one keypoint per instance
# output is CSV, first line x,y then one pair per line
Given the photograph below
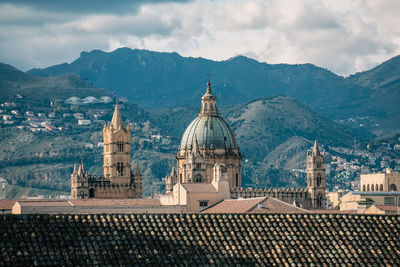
x,y
202,239
253,205
199,188
6,204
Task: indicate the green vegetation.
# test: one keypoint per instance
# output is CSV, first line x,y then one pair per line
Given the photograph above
x,y
273,132
17,191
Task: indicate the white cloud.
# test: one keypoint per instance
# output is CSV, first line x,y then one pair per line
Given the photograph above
x,y
343,36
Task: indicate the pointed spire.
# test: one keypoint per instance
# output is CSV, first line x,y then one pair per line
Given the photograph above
x,y
315,149
137,171
75,170
81,169
116,121
196,146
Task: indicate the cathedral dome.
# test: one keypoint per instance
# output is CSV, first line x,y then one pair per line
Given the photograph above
x,y
209,130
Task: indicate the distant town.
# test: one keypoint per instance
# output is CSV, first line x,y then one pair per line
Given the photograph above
x,y
344,165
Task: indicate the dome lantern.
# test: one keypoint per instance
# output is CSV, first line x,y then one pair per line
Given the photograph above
x,y
209,102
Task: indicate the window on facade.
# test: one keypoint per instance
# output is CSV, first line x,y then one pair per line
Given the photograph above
x,y
120,146
318,164
372,187
120,169
203,203
368,187
198,178
381,187
91,193
319,200
376,187
211,107
363,188
237,179
198,166
180,178
319,179
389,201
392,187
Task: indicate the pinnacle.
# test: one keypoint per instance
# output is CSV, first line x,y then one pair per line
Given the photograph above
x,y
315,148
116,121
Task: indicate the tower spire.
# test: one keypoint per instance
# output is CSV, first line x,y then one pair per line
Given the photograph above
x,y
116,121
315,148
137,171
75,170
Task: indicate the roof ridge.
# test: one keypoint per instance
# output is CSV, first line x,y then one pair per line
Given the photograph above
x,y
256,205
212,205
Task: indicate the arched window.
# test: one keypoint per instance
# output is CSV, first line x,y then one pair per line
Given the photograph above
x,y
381,187
367,187
237,179
120,146
198,178
211,107
319,179
91,193
319,200
363,189
120,169
392,187
376,187
372,187
318,164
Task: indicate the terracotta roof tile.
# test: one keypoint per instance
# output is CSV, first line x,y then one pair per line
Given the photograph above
x,y
116,202
6,204
387,208
233,205
199,188
253,205
200,239
44,203
273,205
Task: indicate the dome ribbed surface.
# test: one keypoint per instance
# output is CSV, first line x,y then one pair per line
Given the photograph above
x,y
209,130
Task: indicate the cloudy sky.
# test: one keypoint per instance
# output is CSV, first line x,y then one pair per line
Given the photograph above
x,y
342,36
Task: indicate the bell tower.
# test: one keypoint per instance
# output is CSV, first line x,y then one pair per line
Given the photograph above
x,y
316,177
117,150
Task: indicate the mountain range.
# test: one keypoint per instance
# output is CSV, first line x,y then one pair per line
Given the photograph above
x,y
157,80
276,111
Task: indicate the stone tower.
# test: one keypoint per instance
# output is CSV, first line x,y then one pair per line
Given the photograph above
x,y
79,183
118,180
117,150
316,177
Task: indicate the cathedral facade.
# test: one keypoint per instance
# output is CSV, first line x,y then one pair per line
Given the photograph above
x,y
207,141
117,180
311,197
